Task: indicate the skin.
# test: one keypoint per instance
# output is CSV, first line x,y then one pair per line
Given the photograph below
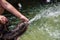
x,y
4,5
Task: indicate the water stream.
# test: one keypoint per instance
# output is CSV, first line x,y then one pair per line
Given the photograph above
x,y
45,25
50,12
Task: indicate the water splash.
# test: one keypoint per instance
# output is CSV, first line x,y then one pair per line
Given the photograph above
x,y
38,16
53,34
46,13
50,12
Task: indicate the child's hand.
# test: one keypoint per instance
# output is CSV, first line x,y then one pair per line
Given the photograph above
x,y
24,19
3,19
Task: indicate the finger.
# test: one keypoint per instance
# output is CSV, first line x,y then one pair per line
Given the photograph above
x,y
3,20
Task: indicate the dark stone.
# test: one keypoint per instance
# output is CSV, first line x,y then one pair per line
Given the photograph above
x,y
13,34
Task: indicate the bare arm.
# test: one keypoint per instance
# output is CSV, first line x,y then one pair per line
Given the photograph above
x,y
11,9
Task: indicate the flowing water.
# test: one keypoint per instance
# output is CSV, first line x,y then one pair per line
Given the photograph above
x,y
45,25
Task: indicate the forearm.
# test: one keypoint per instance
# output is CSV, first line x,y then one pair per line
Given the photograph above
x,y
10,8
